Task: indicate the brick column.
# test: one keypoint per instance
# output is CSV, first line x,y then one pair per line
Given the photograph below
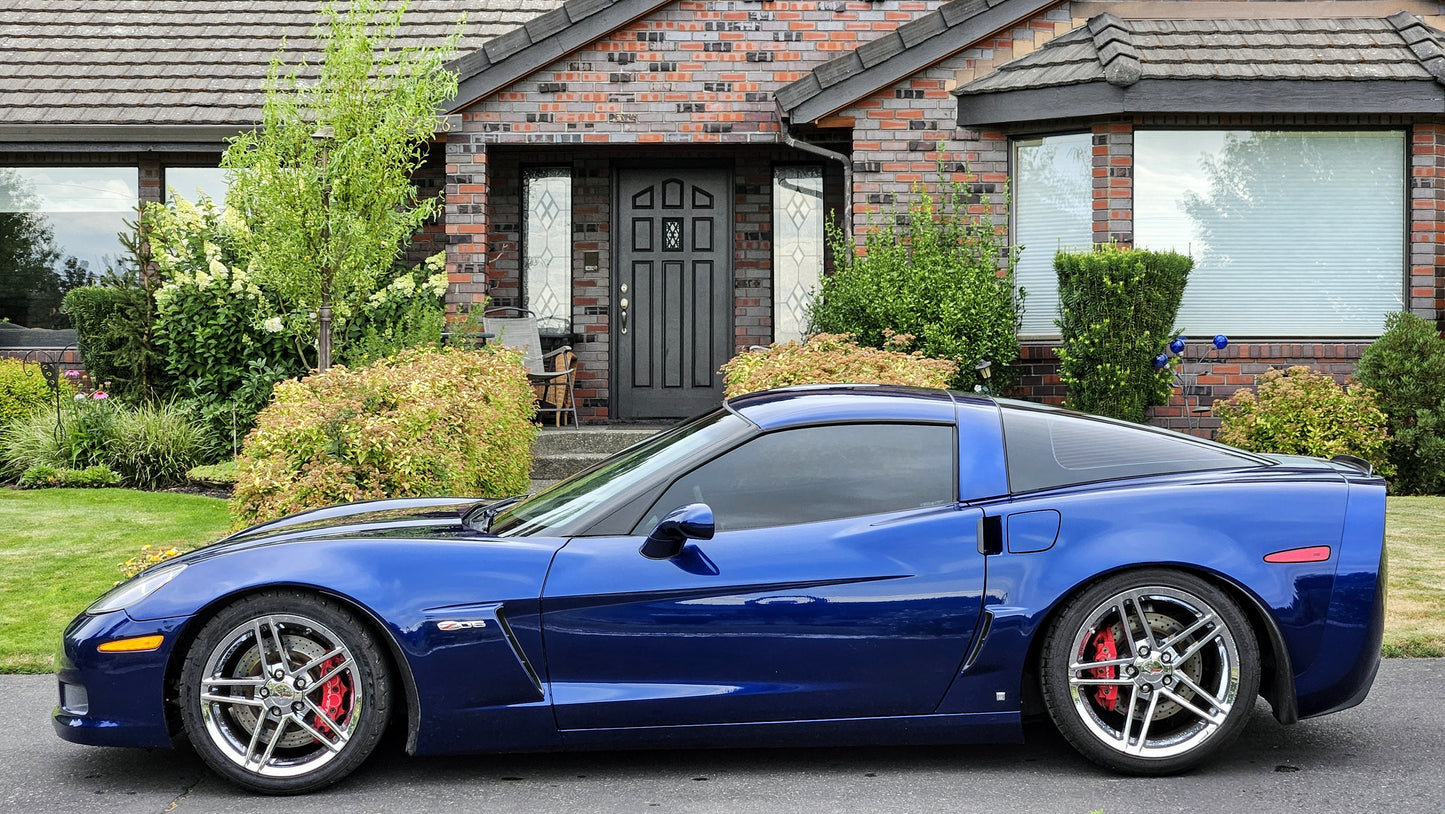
x,y
468,190
1426,297
1114,183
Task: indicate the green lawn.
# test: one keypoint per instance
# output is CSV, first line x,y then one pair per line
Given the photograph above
x,y
61,548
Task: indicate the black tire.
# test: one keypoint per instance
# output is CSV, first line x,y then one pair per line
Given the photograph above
x,y
1164,698
296,714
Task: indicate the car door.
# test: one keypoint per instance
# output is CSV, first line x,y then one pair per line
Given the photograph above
x,y
843,580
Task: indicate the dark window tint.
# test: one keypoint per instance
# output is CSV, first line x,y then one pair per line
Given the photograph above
x,y
820,473
1048,449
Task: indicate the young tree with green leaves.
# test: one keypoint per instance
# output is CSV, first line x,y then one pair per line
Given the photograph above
x,y
325,184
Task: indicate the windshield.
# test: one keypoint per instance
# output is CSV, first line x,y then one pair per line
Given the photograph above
x,y
557,506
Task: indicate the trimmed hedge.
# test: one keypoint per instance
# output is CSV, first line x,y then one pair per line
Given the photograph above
x,y
1406,369
423,422
831,358
1116,314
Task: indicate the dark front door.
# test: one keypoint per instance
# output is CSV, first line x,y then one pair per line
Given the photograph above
x,y
672,299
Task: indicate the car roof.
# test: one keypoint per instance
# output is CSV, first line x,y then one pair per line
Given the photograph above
x,y
842,403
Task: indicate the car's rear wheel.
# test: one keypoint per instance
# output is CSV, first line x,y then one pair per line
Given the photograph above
x,y
1150,672
284,692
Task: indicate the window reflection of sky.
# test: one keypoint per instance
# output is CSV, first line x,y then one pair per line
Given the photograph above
x,y
85,206
191,182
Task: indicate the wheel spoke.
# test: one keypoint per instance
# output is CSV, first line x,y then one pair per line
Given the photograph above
x,y
1186,632
1198,690
1196,647
1138,748
1100,682
275,739
330,674
235,700
249,681
334,744
260,646
1215,719
317,662
1129,716
255,741
1143,621
281,658
1095,665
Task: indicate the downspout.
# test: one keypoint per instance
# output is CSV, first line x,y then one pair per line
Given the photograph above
x,y
846,161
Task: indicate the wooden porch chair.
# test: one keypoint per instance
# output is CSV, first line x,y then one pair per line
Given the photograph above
x,y
553,375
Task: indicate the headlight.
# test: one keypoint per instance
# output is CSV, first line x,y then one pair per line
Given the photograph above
x,y
128,593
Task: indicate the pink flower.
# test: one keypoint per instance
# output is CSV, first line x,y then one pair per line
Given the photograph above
x,y
100,395
72,374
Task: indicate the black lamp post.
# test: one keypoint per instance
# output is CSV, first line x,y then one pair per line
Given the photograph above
x,y
323,136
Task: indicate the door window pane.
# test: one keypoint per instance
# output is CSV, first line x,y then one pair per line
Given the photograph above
x,y
1293,233
820,473
547,246
59,229
797,247
1052,210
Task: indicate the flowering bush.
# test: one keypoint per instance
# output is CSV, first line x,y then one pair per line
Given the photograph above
x,y
833,358
409,311
424,422
1301,412
148,557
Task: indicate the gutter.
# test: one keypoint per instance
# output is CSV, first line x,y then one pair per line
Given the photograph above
x,y
845,160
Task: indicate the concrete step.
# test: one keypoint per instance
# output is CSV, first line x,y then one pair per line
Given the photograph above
x,y
591,439
561,452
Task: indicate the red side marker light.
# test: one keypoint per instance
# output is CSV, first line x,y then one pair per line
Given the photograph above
x,y
1314,553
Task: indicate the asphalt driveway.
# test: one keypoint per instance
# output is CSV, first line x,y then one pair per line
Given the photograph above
x,y
1386,755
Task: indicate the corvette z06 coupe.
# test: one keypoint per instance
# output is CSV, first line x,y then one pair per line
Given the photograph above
x,y
833,564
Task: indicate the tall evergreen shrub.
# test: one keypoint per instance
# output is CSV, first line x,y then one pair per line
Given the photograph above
x,y
1406,369
1116,312
939,274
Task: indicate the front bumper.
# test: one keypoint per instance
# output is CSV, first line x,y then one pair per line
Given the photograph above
x,y
113,699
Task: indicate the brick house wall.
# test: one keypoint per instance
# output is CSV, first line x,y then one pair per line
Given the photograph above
x,y
692,82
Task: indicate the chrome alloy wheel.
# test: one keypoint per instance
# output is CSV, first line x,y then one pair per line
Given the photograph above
x,y
1154,672
280,695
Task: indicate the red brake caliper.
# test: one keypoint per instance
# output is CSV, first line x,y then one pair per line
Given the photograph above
x,y
1105,650
333,697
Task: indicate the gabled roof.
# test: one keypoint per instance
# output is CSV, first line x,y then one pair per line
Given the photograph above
x,y
1351,65
898,55
180,68
541,41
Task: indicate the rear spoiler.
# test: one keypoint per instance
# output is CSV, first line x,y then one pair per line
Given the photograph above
x,y
1355,462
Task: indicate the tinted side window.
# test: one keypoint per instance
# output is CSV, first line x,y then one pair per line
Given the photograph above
x,y
1047,449
819,473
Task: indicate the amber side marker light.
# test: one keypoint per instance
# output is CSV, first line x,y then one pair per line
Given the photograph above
x,y
139,644
1314,553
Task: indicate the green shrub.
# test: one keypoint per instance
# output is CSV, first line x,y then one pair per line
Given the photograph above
x,y
1406,369
23,391
1116,314
1300,412
425,422
42,476
830,358
936,278
150,447
221,474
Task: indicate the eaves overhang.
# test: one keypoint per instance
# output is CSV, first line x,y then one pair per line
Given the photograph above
x,y
893,57
540,42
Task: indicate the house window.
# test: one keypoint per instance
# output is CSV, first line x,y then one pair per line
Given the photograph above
x,y
797,247
1052,210
193,182
1296,233
547,246
60,228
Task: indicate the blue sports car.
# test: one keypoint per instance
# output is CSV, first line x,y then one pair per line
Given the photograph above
x,y
833,564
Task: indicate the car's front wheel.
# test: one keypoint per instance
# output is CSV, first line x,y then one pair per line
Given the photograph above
x,y
284,692
1150,672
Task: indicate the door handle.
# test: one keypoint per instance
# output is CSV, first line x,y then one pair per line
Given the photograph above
x,y
623,304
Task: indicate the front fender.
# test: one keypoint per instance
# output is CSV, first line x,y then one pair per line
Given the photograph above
x,y
475,687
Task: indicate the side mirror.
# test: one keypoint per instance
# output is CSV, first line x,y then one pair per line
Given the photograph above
x,y
690,522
